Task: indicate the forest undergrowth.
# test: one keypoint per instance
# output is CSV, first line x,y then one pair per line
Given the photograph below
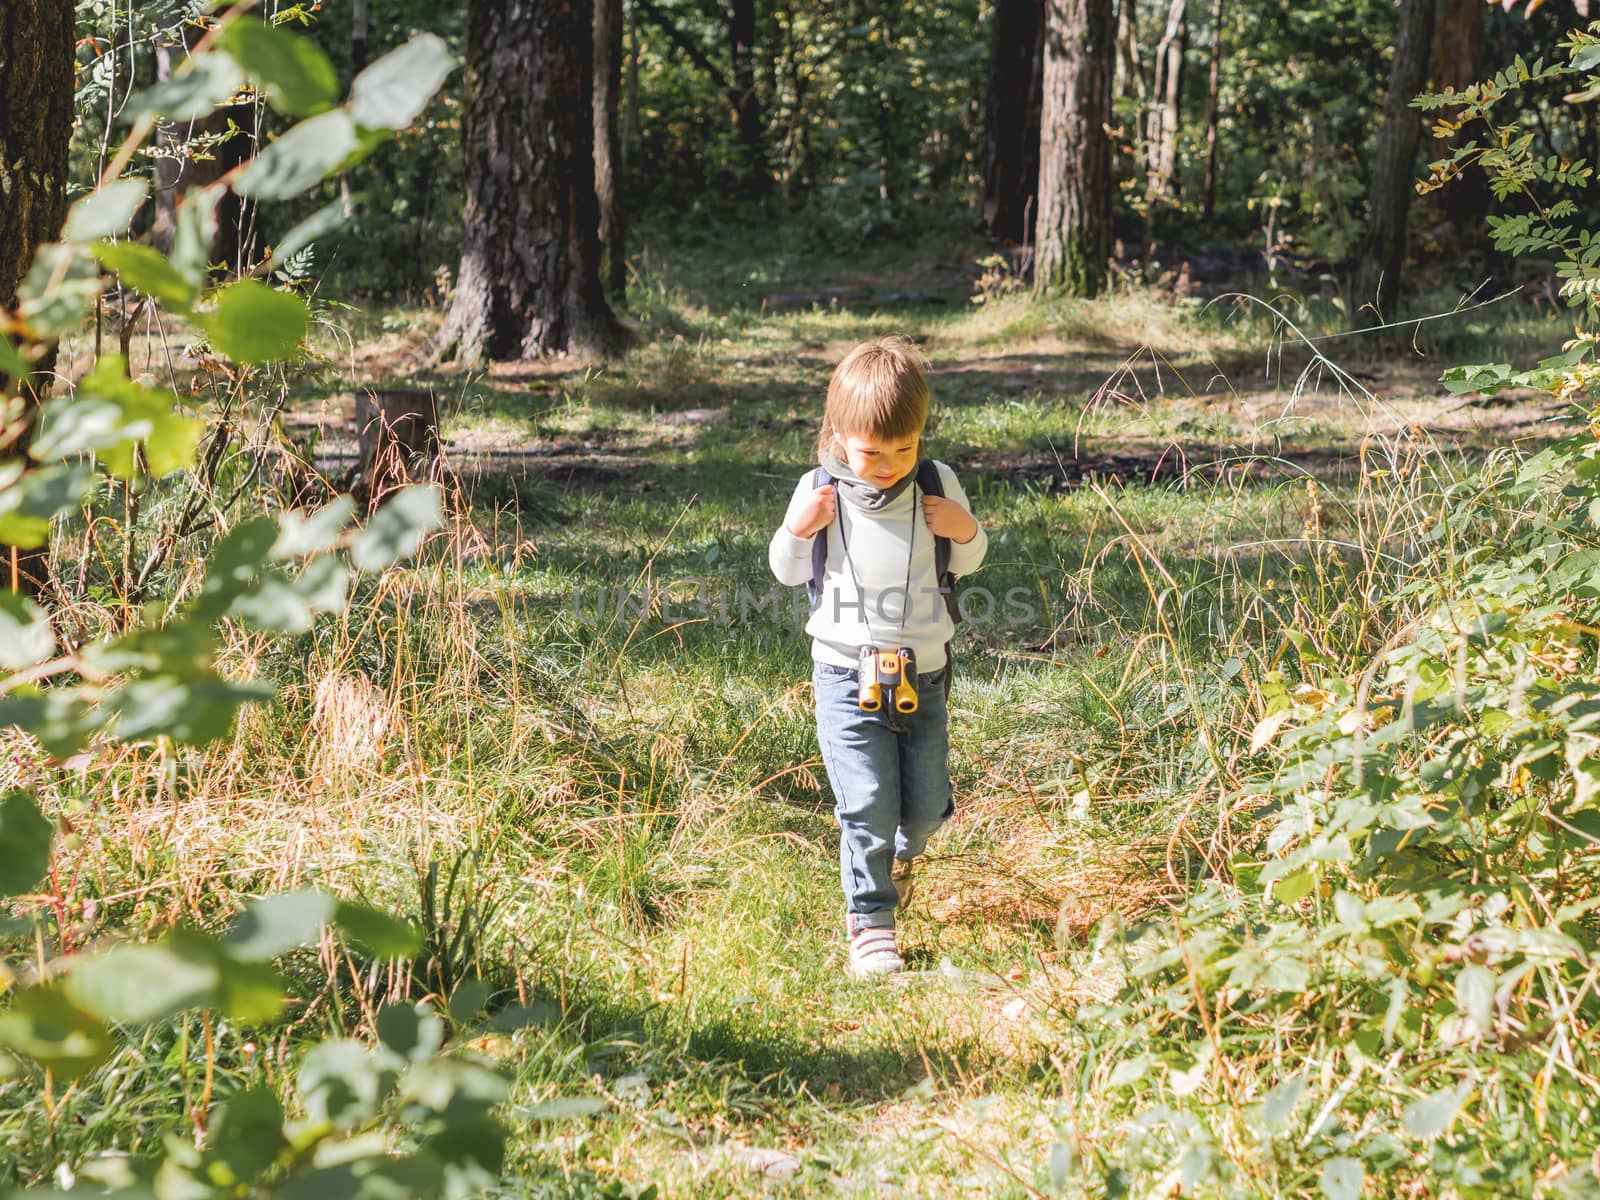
x,y
556,745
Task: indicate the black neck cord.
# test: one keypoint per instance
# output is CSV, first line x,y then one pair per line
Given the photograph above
x,y
861,592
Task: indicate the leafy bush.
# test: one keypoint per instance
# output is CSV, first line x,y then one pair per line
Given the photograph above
x,y
403,1116
1395,977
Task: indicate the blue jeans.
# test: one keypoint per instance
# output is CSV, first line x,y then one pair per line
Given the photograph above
x,y
890,776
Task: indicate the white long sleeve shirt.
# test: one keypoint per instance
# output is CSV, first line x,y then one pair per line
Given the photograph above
x,y
851,616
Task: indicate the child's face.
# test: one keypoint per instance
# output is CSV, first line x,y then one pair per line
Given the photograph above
x,y
882,462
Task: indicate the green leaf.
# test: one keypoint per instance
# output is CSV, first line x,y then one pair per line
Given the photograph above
x,y
411,1033
296,76
147,271
301,158
301,534
29,499
392,92
251,992
246,1135
1475,995
25,835
396,530
276,924
1430,1116
135,985
26,638
382,935
46,1026
192,710
254,323
1278,1105
566,1108
1294,887
105,213
111,416
1341,1178
59,290
193,232
59,717
343,1083
193,92
234,565
11,361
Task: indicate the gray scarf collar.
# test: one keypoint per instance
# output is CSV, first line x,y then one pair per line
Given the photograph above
x,y
858,491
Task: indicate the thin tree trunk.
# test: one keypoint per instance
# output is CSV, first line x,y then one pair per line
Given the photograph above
x,y
1130,82
1161,148
529,282
630,112
1383,252
747,101
36,47
359,24
608,144
1073,232
1011,118
1212,88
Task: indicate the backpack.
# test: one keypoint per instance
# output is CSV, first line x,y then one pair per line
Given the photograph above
x,y
931,485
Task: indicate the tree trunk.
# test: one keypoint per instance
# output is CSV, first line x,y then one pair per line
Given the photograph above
x,y
1383,251
608,143
36,68
747,101
529,282
1209,187
1011,119
1162,124
1130,83
1456,44
398,437
1073,232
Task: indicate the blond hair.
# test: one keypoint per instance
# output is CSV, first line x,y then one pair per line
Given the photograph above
x,y
877,389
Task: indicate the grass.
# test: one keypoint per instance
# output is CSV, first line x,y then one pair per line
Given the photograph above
x,y
634,801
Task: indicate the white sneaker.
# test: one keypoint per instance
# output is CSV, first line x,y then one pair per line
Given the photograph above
x,y
872,951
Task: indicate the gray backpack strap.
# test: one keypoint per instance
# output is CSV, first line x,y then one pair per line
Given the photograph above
x,y
819,546
932,485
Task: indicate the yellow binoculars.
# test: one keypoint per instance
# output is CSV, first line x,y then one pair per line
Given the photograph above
x,y
891,673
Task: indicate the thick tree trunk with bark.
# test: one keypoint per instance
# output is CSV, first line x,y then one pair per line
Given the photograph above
x,y
608,143
1073,231
1383,251
1456,44
529,282
1011,119
36,41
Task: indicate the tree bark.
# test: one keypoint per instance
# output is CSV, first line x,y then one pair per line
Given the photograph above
x,y
36,80
608,144
1209,187
398,436
1162,126
1383,251
747,101
1073,232
1456,43
1011,119
529,282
